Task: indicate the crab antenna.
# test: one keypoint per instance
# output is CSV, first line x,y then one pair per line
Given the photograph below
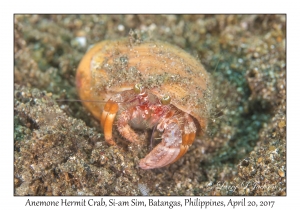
x,y
78,100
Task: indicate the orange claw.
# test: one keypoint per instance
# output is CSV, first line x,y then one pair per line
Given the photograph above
x,y
187,141
176,139
108,115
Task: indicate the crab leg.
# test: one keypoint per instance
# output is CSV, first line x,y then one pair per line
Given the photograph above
x,y
108,115
110,111
123,127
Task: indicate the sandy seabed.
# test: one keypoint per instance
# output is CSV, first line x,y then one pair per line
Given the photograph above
x,y
60,149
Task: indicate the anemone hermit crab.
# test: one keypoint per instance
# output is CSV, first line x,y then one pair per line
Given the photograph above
x,y
147,85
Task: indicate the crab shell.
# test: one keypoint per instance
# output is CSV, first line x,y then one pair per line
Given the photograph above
x,y
113,66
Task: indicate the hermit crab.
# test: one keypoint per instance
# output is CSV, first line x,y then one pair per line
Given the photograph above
x,y
146,85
